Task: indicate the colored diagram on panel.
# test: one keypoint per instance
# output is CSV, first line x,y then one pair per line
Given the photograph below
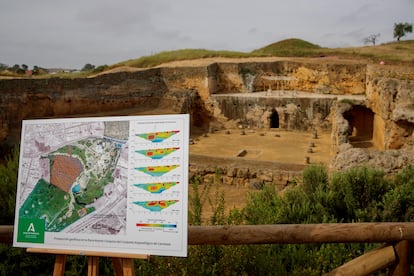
x,y
156,206
157,137
157,153
157,170
104,184
157,225
156,188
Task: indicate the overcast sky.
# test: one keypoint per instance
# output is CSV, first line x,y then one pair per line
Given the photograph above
x,y
69,34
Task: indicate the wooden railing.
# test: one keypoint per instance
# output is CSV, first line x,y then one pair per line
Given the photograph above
x,y
396,253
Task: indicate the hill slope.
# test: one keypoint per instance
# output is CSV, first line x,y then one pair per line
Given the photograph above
x,y
399,53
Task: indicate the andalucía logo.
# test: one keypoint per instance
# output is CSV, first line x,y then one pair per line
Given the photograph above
x,y
31,230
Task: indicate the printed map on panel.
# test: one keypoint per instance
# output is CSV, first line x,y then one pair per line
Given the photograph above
x,y
107,184
74,176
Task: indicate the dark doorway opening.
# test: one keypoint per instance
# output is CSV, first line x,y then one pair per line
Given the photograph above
x,y
361,126
274,119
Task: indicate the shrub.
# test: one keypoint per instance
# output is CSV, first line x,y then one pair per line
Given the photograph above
x,y
398,203
8,182
357,193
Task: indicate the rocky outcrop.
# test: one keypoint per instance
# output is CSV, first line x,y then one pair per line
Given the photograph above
x,y
246,173
390,95
389,161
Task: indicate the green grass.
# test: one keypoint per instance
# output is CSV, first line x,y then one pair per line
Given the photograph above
x,y
184,54
293,47
401,52
45,200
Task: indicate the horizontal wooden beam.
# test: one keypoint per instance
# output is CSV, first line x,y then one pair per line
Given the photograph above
x,y
301,233
287,233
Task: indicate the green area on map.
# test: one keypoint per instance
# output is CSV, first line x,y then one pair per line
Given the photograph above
x,y
79,173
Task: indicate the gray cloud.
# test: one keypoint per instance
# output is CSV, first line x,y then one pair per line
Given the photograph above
x,y
71,33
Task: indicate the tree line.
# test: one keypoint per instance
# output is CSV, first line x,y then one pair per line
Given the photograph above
x,y
22,69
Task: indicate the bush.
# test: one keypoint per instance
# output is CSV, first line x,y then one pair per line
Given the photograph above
x,y
8,182
359,194
398,203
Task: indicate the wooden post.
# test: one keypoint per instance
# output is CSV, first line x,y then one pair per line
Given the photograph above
x,y
403,250
59,269
93,266
368,263
6,234
123,266
123,262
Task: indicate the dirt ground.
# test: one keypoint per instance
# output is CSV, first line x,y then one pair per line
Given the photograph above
x,y
265,145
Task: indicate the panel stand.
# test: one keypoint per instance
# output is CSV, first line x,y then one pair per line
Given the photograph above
x,y
123,263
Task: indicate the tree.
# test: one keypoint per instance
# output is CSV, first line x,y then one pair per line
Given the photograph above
x,y
88,67
401,29
36,70
371,39
16,69
3,66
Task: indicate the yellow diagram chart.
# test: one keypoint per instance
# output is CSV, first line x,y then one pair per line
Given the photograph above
x,y
107,183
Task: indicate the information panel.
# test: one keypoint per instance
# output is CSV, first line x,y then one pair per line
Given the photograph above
x,y
107,184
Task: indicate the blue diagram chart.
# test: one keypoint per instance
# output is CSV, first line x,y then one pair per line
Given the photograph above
x,y
109,184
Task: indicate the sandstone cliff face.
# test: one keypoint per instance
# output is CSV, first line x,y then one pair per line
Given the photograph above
x,y
295,112
24,99
256,94
313,77
258,111
125,93
390,95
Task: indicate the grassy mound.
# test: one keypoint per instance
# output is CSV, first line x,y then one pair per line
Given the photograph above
x,y
292,47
